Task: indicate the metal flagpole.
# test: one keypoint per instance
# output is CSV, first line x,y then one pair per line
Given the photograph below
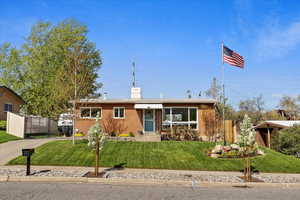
x,y
223,88
74,104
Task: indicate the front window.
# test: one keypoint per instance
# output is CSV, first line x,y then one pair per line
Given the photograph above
x,y
8,107
180,117
90,112
119,112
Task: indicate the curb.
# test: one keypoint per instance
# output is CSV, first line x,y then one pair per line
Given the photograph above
x,y
141,182
3,179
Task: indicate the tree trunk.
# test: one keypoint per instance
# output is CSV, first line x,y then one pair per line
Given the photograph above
x,y
97,156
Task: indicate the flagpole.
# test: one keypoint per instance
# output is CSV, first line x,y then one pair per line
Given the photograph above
x,y
223,88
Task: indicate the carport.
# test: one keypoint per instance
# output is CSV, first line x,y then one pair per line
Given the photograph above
x,y
265,130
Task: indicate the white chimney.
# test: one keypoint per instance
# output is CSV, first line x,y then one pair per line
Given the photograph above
x,y
104,95
161,95
136,93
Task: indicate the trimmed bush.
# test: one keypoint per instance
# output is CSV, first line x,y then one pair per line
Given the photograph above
x,y
287,140
2,125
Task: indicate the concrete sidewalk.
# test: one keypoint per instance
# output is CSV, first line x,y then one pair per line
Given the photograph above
x,y
12,149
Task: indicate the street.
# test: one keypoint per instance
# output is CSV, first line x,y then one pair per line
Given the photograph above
x,y
57,191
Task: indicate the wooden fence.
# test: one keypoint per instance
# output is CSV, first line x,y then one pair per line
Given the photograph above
x,y
19,125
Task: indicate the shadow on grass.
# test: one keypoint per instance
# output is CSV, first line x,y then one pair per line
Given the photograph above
x,y
120,166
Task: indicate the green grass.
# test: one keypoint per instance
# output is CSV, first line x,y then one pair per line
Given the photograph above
x,y
157,155
4,137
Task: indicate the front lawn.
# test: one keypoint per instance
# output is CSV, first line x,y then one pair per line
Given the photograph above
x,y
4,137
157,155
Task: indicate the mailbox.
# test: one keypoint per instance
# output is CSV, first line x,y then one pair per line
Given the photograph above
x,y
27,152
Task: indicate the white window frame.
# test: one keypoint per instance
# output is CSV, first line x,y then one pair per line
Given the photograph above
x,y
171,123
154,119
90,117
8,104
118,117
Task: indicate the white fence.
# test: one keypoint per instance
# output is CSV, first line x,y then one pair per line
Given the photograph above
x,y
15,124
19,125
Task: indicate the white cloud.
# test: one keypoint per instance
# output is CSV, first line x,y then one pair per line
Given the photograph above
x,y
278,95
278,41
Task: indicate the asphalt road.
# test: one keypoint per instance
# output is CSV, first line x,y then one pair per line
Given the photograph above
x,y
57,191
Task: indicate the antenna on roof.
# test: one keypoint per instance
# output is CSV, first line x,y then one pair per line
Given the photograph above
x,y
135,91
189,94
133,74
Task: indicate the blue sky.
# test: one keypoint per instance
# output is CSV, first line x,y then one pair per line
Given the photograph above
x,y
176,44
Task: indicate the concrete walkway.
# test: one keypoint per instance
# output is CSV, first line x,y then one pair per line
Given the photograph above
x,y
12,149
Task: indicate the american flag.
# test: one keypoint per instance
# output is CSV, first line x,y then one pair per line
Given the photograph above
x,y
232,57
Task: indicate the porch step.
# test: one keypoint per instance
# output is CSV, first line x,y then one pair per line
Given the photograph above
x,y
148,137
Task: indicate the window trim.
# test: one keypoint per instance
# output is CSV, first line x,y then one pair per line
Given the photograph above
x,y
186,122
90,117
114,117
8,104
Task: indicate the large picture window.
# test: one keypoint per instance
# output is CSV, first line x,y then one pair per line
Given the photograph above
x,y
180,116
91,113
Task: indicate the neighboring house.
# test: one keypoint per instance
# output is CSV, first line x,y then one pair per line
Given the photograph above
x,y
265,130
9,102
138,115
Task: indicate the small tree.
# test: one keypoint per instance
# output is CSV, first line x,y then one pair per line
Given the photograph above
x,y
96,141
247,142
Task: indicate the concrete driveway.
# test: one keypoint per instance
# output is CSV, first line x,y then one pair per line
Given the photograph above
x,y
12,149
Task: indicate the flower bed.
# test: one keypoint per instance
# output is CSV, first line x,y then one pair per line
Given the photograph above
x,y
117,138
232,151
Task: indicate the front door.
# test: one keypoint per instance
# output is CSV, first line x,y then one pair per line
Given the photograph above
x,y
149,124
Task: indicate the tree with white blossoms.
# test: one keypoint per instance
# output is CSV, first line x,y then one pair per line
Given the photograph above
x,y
96,139
247,142
247,137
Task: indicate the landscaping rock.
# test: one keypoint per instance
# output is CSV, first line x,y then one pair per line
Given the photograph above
x,y
260,152
160,175
217,149
226,148
235,147
214,155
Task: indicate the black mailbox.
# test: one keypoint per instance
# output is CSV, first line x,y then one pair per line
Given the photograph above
x,y
27,153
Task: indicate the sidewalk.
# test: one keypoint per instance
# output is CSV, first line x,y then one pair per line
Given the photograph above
x,y
151,176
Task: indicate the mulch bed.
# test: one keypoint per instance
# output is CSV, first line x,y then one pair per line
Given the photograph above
x,y
253,179
92,175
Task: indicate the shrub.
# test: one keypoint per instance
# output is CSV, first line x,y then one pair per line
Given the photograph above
x,y
180,133
131,134
2,125
287,140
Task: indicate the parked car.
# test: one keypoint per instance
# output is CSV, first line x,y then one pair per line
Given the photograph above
x,y
65,124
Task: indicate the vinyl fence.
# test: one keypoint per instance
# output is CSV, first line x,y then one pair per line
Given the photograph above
x,y
20,125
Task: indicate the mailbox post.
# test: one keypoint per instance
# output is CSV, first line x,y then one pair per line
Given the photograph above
x,y
27,153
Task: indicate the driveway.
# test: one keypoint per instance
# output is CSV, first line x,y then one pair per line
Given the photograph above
x,y
12,149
